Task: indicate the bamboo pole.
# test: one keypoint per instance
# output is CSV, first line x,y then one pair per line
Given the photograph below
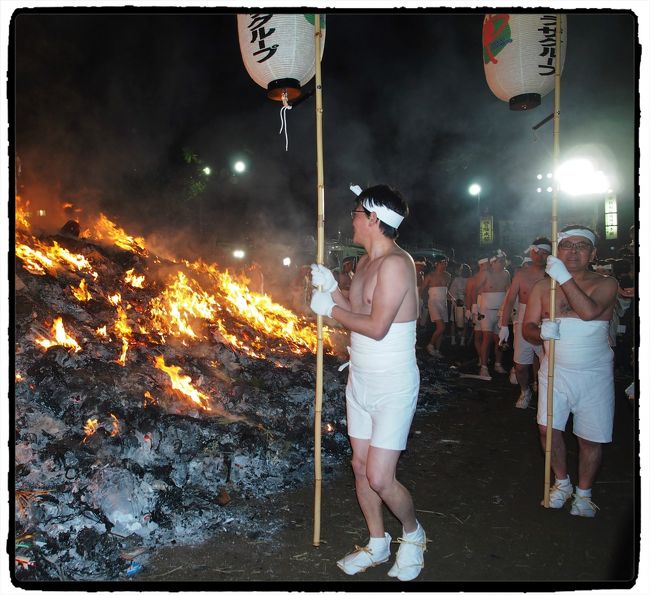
x,y
320,257
551,343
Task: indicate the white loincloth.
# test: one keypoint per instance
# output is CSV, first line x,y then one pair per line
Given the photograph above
x,y
583,380
524,352
383,385
490,303
437,303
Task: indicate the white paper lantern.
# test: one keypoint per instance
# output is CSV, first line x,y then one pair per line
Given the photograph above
x,y
278,50
519,56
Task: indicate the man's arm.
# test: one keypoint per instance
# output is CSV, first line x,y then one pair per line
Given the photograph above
x,y
509,301
592,306
533,315
393,280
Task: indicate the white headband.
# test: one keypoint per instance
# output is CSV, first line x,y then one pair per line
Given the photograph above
x,y
388,216
482,260
538,247
499,254
525,259
585,233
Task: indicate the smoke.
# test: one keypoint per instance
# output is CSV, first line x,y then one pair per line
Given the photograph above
x,y
105,105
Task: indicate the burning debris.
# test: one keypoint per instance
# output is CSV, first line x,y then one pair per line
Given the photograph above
x,y
151,396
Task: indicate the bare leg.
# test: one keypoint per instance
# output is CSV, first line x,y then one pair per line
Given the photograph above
x,y
369,501
380,471
478,341
486,340
523,377
558,451
589,458
498,354
438,334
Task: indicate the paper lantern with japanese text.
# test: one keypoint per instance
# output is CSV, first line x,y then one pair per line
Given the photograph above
x,y
278,51
519,56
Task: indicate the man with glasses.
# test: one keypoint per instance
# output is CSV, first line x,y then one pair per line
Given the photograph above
x,y
583,381
381,395
522,283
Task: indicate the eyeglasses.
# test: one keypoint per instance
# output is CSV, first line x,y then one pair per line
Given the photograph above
x,y
579,246
356,211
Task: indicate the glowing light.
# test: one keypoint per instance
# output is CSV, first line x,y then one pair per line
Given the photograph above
x,y
539,176
579,177
239,167
239,254
286,262
475,189
207,171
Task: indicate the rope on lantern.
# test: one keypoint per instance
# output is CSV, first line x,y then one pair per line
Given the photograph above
x,y
551,343
283,119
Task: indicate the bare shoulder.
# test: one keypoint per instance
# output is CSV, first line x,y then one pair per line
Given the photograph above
x,y
398,259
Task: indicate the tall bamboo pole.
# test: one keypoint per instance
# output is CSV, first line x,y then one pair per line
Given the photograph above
x,y
551,343
320,257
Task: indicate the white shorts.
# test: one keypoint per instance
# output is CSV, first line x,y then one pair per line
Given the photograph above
x,y
383,386
525,352
437,303
583,380
489,307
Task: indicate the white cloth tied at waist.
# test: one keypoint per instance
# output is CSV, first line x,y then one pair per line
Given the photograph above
x,y
437,293
491,300
395,350
582,345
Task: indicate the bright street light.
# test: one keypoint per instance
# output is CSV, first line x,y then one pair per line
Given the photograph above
x,y
475,190
239,254
579,177
207,171
239,167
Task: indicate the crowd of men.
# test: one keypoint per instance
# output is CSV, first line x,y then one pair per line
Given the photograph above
x,y
391,304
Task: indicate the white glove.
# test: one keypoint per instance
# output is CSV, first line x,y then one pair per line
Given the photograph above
x,y
550,329
322,303
556,269
504,333
323,277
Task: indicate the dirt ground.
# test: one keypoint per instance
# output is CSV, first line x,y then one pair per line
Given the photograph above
x,y
476,473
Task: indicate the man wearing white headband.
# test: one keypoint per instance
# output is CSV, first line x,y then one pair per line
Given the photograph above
x,y
522,283
583,382
491,287
383,381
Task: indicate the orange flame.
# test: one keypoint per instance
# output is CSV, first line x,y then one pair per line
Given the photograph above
x,y
90,428
116,426
22,214
81,293
101,331
123,331
133,279
104,228
40,258
60,337
182,383
182,302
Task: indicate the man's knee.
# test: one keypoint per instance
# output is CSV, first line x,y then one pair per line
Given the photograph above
x,y
358,466
378,480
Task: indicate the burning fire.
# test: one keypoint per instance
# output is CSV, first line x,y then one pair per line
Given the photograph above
x,y
123,331
90,428
41,259
182,383
104,228
134,280
60,337
22,214
116,426
81,293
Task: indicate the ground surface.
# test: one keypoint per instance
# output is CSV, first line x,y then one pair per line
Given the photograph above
x,y
476,473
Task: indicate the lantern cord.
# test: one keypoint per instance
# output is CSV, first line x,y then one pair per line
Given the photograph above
x,y
283,120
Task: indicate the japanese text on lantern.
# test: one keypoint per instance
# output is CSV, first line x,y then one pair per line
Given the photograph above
x,y
486,230
259,33
548,31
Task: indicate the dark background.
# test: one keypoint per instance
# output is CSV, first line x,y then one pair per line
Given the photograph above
x,y
108,104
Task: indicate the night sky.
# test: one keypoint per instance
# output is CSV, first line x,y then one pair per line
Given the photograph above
x,y
107,104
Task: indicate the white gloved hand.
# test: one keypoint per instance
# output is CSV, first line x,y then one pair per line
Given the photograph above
x,y
322,303
556,269
322,277
504,333
550,330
